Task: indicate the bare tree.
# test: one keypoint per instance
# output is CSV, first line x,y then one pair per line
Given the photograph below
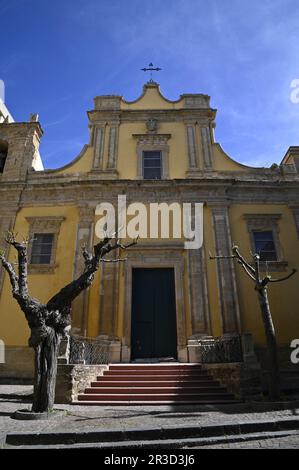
x,y
261,286
50,322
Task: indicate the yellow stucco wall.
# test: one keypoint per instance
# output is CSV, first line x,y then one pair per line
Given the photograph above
x,y
13,326
127,156
223,162
81,164
151,99
283,296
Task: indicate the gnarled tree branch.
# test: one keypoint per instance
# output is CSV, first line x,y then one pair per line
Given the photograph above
x,y
50,322
14,280
284,278
68,293
242,260
261,287
21,249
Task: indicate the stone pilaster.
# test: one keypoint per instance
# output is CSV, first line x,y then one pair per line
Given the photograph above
x,y
113,147
295,211
199,301
228,296
192,147
99,139
206,148
84,237
109,281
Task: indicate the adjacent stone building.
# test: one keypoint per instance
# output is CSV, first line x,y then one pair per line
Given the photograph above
x,y
164,300
5,115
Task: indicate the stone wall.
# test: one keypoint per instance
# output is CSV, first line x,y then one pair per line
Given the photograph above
x,y
19,363
243,381
72,379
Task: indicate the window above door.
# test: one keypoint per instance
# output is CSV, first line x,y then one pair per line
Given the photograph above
x,y
152,165
152,156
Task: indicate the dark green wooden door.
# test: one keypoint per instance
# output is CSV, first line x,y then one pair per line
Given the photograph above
x,y
153,314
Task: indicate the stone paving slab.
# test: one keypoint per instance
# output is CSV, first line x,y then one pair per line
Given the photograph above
x,y
204,443
85,418
289,442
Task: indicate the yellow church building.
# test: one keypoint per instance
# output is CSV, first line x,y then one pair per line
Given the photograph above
x,y
164,301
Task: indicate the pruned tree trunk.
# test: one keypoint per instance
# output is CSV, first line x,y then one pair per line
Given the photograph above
x,y
261,284
46,354
50,322
273,364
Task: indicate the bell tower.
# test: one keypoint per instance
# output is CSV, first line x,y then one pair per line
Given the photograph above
x,y
19,149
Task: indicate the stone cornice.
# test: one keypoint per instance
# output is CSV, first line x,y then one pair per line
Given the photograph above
x,y
69,190
169,245
47,181
261,217
151,139
165,115
154,192
32,126
45,223
94,178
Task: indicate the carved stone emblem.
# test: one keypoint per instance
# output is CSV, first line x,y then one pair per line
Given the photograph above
x,y
152,125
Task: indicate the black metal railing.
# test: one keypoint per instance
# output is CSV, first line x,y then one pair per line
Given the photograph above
x,y
88,350
219,350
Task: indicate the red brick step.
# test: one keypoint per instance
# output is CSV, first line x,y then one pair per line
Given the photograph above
x,y
154,367
155,384
148,377
154,390
170,396
174,373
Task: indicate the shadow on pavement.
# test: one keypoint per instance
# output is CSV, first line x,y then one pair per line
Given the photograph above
x,y
16,398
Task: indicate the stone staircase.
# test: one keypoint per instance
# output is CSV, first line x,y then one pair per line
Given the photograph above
x,y
155,384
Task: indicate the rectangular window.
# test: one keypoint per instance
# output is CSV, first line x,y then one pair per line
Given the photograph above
x,y
152,165
264,245
42,246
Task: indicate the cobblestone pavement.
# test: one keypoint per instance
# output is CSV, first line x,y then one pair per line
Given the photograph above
x,y
289,442
89,418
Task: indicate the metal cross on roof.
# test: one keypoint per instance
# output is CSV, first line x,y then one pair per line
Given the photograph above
x,y
151,69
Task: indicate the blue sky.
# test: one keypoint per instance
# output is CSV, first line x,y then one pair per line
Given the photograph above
x,y
55,56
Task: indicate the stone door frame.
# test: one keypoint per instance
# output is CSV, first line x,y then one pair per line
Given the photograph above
x,y
154,258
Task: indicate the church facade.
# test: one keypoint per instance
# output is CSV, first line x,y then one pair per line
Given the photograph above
x,y
164,299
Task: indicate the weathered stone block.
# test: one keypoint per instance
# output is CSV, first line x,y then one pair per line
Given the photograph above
x,y
72,379
19,363
114,351
239,379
